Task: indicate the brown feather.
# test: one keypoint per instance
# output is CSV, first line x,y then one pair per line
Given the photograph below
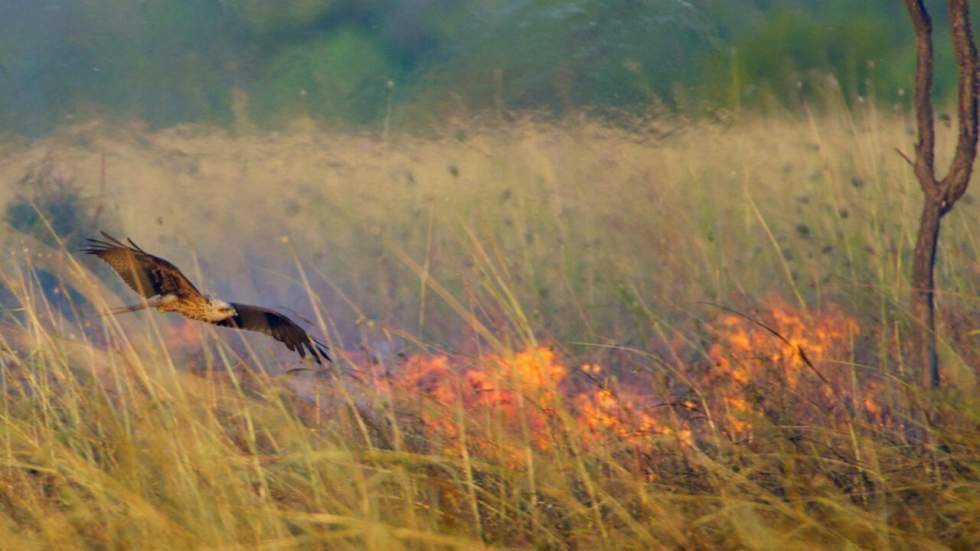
x,y
278,326
146,274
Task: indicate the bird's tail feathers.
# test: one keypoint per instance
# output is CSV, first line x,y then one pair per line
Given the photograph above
x,y
127,309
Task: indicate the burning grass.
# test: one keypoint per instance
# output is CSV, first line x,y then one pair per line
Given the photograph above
x,y
770,434
522,361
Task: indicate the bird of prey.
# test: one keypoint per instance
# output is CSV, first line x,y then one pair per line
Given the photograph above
x,y
168,290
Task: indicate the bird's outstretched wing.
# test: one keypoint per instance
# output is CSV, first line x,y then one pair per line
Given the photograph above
x,y
146,274
278,326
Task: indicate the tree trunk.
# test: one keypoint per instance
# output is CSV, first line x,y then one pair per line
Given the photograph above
x,y
924,300
939,196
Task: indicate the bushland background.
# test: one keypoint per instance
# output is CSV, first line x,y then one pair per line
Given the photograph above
x,y
409,62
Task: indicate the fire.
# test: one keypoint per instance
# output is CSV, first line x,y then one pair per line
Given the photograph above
x,y
521,390
745,349
593,369
623,415
738,409
747,354
501,404
525,391
536,373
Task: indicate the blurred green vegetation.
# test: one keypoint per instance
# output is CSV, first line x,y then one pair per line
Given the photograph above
x,y
358,61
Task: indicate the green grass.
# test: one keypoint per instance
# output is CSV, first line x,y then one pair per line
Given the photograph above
x,y
603,245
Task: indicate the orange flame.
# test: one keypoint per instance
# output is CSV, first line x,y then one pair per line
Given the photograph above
x,y
500,404
747,353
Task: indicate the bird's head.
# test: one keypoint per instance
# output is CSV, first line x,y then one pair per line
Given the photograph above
x,y
219,310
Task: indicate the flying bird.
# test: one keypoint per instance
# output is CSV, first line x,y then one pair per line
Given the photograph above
x,y
168,290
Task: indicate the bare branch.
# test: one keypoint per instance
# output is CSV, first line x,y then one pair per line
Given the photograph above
x,y
954,184
926,144
906,157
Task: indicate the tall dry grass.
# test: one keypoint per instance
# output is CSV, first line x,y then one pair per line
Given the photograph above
x,y
530,346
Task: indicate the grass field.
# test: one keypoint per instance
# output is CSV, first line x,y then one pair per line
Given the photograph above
x,y
556,336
